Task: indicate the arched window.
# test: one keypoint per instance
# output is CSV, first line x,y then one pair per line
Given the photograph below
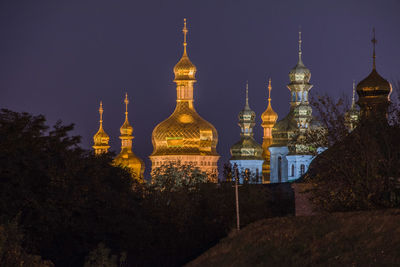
x,y
292,169
302,169
279,169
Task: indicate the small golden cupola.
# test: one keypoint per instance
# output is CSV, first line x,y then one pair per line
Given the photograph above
x,y
101,138
185,136
185,70
126,158
374,91
269,118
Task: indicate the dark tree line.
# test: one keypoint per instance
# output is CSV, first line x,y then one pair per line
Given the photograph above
x,y
73,208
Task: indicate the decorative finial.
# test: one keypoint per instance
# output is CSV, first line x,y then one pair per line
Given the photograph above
x,y
101,114
354,91
300,43
247,93
185,31
269,90
126,101
374,41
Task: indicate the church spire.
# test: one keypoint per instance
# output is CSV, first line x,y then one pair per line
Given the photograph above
x,y
374,41
247,95
247,116
300,41
101,138
269,91
185,31
101,114
126,129
126,101
354,91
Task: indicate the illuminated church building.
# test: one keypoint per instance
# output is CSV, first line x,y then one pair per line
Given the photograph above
x,y
353,114
290,157
247,154
126,158
184,136
284,155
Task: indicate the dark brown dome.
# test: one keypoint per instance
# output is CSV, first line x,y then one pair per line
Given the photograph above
x,y
373,86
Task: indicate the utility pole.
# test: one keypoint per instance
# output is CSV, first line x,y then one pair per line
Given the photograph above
x,y
237,197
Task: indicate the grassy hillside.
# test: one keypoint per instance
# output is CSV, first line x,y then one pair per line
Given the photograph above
x,y
369,238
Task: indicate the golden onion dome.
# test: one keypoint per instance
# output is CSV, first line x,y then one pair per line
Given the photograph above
x,y
269,116
126,128
185,132
129,160
185,69
101,138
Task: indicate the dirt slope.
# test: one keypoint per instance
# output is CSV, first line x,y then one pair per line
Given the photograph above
x,y
369,238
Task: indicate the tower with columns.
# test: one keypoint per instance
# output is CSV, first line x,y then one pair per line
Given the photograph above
x,y
126,158
353,114
290,156
247,153
101,138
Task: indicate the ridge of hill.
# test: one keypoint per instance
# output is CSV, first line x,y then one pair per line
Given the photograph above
x,y
364,238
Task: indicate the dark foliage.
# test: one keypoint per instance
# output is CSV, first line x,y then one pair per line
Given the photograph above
x,y
69,201
360,170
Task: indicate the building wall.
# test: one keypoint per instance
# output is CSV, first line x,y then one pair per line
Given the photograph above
x,y
287,161
276,153
295,163
207,164
254,166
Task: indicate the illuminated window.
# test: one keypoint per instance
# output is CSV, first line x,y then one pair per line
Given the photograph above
x,y
279,169
302,169
174,141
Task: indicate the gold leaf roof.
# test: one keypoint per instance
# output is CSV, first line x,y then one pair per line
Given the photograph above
x,y
185,132
269,116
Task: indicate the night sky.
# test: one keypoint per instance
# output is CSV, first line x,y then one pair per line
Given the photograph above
x,y
60,58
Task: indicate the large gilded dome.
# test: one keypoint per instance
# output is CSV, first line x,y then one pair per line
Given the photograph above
x,y
184,132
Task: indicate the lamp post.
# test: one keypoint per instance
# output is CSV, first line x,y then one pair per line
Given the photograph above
x,y
237,196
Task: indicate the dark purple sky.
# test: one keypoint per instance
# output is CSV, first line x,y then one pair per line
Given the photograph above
x,y
60,58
